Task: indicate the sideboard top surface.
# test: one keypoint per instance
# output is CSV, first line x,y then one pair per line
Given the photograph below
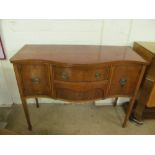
x,y
77,54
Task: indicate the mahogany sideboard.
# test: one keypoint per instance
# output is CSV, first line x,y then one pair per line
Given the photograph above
x,y
145,107
78,73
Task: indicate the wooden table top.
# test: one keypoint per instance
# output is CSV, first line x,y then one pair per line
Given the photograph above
x,y
77,54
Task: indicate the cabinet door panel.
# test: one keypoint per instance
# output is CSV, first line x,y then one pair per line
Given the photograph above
x,y
124,79
35,79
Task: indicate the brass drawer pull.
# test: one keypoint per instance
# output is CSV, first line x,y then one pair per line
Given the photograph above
x,y
64,76
35,80
98,75
123,81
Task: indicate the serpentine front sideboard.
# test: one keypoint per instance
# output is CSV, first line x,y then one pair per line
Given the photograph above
x,y
78,73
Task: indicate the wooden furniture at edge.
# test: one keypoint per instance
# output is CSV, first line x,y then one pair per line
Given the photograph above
x,y
78,73
145,107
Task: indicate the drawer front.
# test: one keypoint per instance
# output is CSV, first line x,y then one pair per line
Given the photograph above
x,y
79,91
74,74
35,79
124,79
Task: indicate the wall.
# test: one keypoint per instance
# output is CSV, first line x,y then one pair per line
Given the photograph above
x,y
16,33
5,96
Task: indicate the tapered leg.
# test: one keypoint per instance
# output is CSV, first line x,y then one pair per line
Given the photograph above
x,y
132,101
129,110
37,103
24,103
115,102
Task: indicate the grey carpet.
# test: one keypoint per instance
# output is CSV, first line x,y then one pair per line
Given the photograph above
x,y
75,119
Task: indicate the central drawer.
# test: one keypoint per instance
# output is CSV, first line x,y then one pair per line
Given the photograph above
x,y
84,74
80,91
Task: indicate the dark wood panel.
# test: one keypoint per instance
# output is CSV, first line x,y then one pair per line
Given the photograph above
x,y
80,91
124,79
35,79
78,74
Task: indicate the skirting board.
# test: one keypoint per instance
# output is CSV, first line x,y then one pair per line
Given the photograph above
x,y
97,103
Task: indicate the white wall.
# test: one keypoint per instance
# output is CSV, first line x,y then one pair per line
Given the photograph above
x,y
5,96
17,33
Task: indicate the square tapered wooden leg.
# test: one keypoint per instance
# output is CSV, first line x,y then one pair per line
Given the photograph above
x,y
24,103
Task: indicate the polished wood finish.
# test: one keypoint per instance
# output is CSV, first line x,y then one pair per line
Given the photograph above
x,y
124,79
81,91
76,54
146,98
78,73
22,96
35,79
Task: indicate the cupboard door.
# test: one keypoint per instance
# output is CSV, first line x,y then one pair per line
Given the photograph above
x,y
124,79
35,79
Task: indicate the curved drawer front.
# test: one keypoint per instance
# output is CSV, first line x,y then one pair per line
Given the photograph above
x,y
83,74
80,91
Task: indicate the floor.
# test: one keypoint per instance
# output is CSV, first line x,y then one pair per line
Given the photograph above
x,y
71,119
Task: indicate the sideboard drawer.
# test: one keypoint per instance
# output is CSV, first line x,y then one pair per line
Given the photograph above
x,y
84,74
80,91
35,79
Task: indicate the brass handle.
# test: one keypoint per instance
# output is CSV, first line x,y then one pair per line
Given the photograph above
x,y
35,80
98,75
123,81
64,76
